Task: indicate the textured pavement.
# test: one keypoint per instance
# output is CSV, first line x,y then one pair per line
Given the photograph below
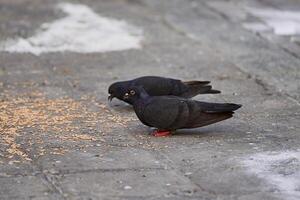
x,y
60,139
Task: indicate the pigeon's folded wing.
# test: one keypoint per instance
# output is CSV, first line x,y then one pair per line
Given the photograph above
x,y
203,113
166,112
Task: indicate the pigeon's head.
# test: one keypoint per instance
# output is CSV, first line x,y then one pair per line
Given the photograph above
x,y
117,90
134,93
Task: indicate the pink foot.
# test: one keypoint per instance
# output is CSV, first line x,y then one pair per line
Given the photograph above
x,y
159,133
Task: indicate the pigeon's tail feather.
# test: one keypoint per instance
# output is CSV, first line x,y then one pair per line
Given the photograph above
x,y
213,91
198,87
196,83
218,107
205,119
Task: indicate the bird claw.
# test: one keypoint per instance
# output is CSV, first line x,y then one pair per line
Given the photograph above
x,y
159,133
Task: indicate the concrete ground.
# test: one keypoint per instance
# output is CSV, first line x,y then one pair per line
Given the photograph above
x,y
60,139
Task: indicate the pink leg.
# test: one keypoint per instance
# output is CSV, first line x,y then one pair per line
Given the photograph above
x,y
159,133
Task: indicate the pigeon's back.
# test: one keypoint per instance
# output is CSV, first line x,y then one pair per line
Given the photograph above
x,y
158,86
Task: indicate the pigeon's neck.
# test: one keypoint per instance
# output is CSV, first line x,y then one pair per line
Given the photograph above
x,y
144,96
139,106
142,100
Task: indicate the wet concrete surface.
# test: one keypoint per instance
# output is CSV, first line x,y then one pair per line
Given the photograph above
x,y
60,139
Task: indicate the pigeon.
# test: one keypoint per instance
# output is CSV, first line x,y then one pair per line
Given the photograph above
x,y
169,113
158,86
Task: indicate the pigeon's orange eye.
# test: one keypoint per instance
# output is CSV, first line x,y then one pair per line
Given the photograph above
x,y
132,92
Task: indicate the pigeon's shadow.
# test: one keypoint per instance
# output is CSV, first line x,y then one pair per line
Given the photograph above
x,y
194,132
202,131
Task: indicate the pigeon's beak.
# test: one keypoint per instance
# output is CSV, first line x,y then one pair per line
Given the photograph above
x,y
126,96
110,97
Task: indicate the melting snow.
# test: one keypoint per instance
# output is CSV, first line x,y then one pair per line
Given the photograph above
x,y
82,31
283,22
280,169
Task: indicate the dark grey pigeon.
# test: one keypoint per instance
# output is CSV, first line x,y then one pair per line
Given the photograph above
x,y
158,86
168,113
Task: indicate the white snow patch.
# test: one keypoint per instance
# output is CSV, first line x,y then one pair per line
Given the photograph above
x,y
283,22
82,31
281,169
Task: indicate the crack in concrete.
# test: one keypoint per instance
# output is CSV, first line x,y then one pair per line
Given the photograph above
x,y
165,21
52,185
264,85
186,197
286,50
222,15
67,172
295,55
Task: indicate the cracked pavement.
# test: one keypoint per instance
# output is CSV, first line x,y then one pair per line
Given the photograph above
x,y
60,139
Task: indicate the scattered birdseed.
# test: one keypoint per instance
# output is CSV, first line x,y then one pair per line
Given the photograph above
x,y
32,125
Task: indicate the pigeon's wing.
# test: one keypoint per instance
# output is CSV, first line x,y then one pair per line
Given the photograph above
x,y
204,119
155,85
166,112
202,113
197,87
217,107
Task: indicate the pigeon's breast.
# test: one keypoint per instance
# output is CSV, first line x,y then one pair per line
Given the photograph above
x,y
139,109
